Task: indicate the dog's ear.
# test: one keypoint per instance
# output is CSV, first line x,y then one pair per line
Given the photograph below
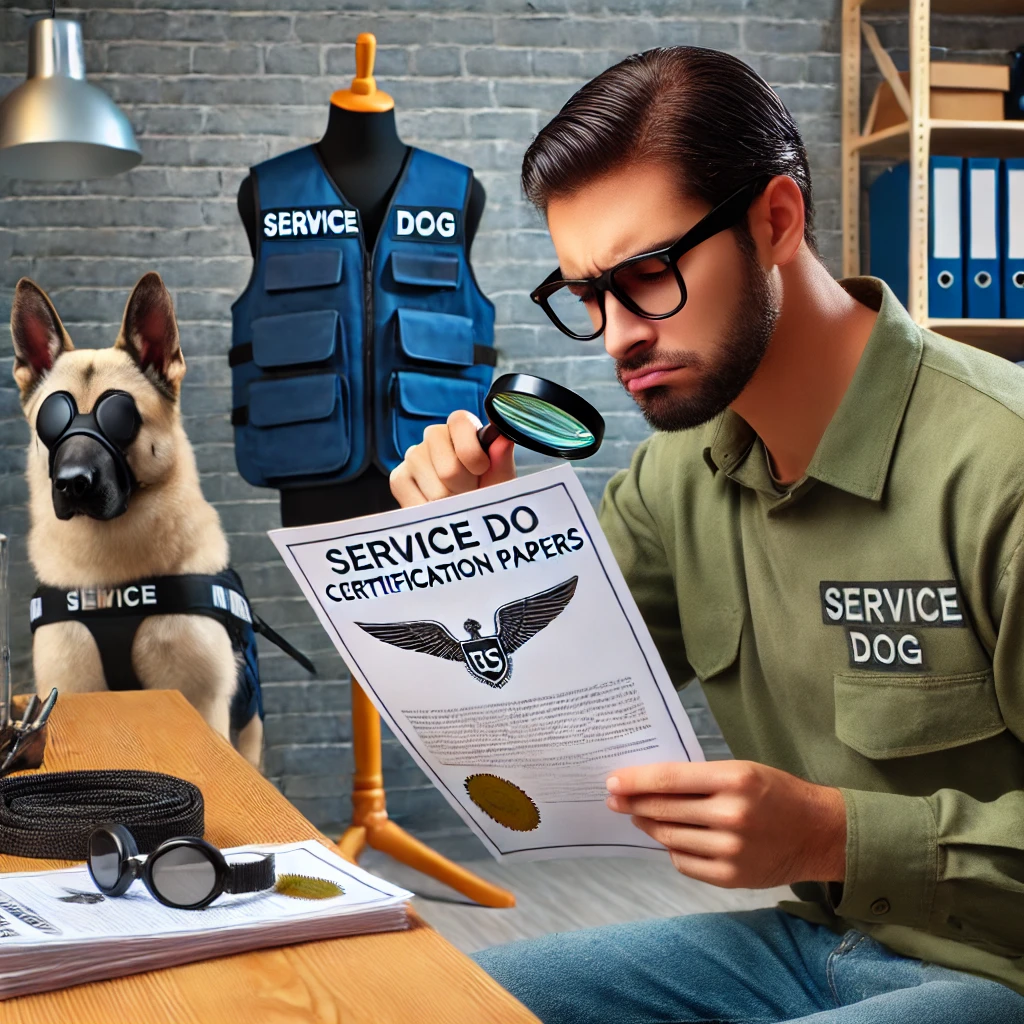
x,y
149,334
38,335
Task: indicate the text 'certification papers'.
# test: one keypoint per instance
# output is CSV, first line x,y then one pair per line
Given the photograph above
x,y
496,636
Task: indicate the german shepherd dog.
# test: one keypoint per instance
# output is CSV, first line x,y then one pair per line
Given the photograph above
x,y
86,533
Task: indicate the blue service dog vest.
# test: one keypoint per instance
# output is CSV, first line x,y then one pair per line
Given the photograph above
x,y
340,358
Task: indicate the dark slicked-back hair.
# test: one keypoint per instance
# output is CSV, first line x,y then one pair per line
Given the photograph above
x,y
703,112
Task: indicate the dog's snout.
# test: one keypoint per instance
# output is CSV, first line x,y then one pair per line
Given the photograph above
x,y
74,480
86,481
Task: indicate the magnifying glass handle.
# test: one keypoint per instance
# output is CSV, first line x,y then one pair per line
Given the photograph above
x,y
487,435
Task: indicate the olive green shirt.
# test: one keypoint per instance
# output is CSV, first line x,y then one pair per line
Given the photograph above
x,y
864,628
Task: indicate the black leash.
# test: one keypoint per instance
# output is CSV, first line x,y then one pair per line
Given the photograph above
x,y
50,814
275,638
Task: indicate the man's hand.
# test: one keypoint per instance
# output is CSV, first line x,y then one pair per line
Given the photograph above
x,y
736,824
450,460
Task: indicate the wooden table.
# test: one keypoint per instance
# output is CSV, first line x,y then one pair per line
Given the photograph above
x,y
409,977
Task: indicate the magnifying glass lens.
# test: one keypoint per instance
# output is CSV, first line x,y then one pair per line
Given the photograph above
x,y
542,416
542,421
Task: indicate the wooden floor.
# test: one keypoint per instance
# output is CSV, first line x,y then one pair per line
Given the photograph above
x,y
563,895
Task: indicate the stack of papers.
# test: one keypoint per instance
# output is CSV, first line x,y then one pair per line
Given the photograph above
x,y
57,930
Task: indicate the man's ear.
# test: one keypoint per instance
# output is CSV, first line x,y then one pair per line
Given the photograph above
x,y
38,335
781,219
149,334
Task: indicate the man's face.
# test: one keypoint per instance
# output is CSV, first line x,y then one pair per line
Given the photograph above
x,y
685,370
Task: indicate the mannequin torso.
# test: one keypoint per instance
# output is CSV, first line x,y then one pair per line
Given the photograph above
x,y
363,155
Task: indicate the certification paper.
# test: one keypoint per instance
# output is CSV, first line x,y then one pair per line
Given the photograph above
x,y
494,633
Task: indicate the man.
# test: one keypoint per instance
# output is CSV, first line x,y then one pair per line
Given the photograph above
x,y
826,529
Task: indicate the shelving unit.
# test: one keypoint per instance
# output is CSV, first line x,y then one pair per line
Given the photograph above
x,y
915,141
948,138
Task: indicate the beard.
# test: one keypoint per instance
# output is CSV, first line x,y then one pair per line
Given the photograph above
x,y
723,378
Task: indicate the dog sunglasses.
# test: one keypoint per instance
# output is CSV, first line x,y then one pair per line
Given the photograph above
x,y
185,872
114,422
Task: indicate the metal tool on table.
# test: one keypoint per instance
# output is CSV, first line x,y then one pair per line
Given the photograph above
x,y
22,741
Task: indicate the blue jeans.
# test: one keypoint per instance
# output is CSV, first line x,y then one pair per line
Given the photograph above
x,y
754,967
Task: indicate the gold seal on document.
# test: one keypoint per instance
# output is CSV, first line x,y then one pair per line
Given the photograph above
x,y
506,803
302,887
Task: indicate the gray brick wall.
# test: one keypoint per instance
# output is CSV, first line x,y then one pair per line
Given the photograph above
x,y
213,86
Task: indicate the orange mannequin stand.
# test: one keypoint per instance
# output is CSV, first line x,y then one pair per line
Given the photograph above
x,y
370,823
372,827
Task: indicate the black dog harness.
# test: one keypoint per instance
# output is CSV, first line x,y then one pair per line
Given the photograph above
x,y
114,614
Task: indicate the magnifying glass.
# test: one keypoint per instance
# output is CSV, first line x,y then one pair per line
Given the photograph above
x,y
542,416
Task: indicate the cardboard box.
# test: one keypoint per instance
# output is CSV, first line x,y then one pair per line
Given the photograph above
x,y
950,75
959,92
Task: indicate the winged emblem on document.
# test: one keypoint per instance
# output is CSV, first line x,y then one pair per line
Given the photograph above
x,y
487,658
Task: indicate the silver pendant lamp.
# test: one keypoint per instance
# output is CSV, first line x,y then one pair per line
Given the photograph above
x,y
56,126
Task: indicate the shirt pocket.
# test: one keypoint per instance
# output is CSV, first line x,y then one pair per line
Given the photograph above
x,y
881,716
713,648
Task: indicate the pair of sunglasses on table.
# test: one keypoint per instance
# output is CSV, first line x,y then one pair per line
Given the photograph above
x,y
185,872
649,284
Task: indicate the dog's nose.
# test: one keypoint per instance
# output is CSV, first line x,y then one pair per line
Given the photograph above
x,y
86,480
73,481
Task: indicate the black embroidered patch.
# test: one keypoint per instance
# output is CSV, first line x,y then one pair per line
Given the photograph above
x,y
425,224
296,223
881,618
885,650
922,603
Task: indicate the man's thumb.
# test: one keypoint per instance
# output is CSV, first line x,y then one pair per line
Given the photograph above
x,y
503,464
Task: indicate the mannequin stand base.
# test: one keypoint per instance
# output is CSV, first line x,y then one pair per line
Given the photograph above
x,y
371,826
393,840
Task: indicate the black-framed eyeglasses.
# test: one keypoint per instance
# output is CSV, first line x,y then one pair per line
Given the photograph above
x,y
649,284
185,872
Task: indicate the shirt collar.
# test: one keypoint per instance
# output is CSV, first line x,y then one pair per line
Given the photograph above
x,y
856,449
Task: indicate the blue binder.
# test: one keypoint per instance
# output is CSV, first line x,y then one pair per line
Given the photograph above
x,y
1013,238
945,238
889,228
981,220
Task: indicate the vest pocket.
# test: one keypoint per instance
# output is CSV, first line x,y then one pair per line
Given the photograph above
x,y
300,424
440,338
295,338
420,400
426,270
881,716
293,271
